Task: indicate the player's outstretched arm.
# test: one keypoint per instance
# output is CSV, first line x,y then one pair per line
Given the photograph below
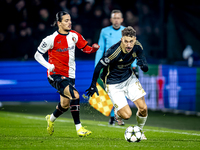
x,y
92,89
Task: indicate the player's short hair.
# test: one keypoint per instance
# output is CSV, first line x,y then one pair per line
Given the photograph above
x,y
129,31
59,17
116,11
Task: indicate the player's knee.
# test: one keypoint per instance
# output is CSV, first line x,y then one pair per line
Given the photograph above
x,y
127,115
62,107
65,105
143,111
76,95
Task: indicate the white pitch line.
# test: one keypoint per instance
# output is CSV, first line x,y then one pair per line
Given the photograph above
x,y
154,130
61,120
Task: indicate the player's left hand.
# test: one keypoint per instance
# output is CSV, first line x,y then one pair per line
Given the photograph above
x,y
140,62
92,89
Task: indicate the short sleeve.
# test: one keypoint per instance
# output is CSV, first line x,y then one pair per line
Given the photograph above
x,y
81,42
45,45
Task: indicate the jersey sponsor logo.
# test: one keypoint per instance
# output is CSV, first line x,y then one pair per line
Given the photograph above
x,y
65,49
124,66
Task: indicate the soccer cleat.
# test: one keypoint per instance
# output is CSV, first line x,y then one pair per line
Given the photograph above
x,y
118,119
143,137
50,125
111,121
83,132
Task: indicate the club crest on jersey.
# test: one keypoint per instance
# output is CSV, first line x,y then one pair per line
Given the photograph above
x,y
134,54
74,39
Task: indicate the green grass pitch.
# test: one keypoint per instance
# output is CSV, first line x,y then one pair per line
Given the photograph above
x,y
24,131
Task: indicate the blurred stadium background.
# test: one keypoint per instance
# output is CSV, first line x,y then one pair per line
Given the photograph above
x,y
164,27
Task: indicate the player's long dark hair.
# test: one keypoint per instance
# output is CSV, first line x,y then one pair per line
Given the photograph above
x,y
59,17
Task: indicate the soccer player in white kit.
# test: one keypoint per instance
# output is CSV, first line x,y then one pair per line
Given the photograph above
x,y
61,68
120,82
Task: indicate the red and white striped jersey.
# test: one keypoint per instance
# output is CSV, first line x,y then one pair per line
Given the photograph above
x,y
61,51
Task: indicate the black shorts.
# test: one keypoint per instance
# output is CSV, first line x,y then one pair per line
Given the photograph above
x,y
59,82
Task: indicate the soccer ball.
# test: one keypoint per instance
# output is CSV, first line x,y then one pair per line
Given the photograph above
x,y
133,134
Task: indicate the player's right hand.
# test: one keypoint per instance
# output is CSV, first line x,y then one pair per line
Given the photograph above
x,y
92,89
96,46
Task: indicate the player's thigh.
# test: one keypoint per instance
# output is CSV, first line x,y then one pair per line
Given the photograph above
x,y
71,92
64,102
117,96
125,112
134,90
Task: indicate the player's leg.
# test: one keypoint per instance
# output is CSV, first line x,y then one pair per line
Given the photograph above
x,y
116,94
73,94
142,113
112,119
60,109
136,93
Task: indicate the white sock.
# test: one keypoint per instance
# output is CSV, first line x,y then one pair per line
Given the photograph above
x,y
141,120
78,126
52,117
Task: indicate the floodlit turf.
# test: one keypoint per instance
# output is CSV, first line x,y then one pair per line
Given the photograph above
x,y
27,131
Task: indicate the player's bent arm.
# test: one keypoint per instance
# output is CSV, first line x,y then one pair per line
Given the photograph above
x,y
39,57
141,61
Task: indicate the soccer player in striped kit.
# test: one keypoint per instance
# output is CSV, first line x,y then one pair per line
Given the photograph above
x,y
61,68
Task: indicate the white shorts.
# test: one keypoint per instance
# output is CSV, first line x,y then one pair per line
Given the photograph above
x,y
131,89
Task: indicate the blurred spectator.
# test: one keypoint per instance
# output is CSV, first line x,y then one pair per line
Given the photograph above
x,y
90,16
130,18
76,2
97,18
11,32
5,47
108,6
44,17
63,5
78,28
74,14
25,47
105,23
7,9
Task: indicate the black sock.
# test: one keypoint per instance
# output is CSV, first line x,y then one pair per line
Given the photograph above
x,y
59,111
75,107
